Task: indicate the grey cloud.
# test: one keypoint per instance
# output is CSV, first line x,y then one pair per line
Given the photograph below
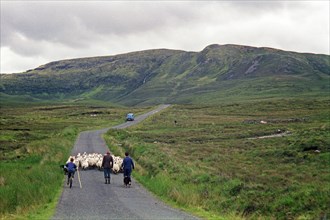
x,y
74,22
120,18
258,5
63,29
80,24
37,22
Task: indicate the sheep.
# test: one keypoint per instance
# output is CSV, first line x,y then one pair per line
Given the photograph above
x,y
117,163
115,168
99,164
84,164
86,161
77,160
92,160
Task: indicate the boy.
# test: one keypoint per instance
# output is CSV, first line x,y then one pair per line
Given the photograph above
x,y
71,167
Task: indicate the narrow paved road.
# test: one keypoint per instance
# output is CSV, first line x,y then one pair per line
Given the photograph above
x,y
96,200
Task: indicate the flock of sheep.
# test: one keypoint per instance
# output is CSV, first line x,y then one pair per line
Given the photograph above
x,y
94,160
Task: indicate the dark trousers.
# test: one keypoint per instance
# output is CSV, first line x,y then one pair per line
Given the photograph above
x,y
107,173
70,173
127,172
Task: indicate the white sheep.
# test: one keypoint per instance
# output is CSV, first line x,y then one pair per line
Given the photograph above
x,y
84,164
115,168
92,160
99,164
86,161
117,163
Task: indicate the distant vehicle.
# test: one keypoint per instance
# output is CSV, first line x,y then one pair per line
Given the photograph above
x,y
130,117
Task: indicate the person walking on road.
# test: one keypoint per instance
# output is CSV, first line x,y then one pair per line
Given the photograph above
x,y
107,164
128,165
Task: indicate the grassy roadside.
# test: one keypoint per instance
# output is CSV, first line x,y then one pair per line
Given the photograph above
x,y
207,163
34,141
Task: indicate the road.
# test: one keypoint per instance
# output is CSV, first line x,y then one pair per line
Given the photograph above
x,y
96,200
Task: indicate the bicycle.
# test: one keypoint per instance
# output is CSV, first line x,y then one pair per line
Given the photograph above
x,y
70,178
70,181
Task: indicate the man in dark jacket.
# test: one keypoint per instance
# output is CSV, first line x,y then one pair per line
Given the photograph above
x,y
107,164
71,168
128,165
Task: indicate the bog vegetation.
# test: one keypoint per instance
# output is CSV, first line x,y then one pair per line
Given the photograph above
x,y
34,141
202,154
209,159
206,159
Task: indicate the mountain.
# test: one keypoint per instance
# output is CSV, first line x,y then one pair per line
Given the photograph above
x,y
215,74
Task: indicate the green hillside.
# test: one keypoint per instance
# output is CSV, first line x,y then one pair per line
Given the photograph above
x,y
217,73
247,136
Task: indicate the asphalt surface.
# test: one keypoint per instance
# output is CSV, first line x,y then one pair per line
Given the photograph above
x,y
97,200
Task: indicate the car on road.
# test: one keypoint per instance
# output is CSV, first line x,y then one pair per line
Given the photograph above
x,y
130,117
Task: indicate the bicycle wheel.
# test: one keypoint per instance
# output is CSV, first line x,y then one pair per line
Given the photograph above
x,y
70,181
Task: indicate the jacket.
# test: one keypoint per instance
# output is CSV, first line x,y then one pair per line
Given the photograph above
x,y
71,167
107,161
128,163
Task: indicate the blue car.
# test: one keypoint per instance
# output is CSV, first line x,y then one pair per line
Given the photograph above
x,y
130,117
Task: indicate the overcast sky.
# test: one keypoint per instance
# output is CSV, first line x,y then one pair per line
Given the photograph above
x,y
37,32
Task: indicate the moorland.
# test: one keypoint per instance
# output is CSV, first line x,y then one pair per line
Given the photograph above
x,y
214,162
211,153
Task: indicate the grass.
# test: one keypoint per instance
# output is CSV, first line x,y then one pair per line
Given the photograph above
x,y
35,140
207,164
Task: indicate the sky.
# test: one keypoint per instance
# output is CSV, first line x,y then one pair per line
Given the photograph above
x,y
34,33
